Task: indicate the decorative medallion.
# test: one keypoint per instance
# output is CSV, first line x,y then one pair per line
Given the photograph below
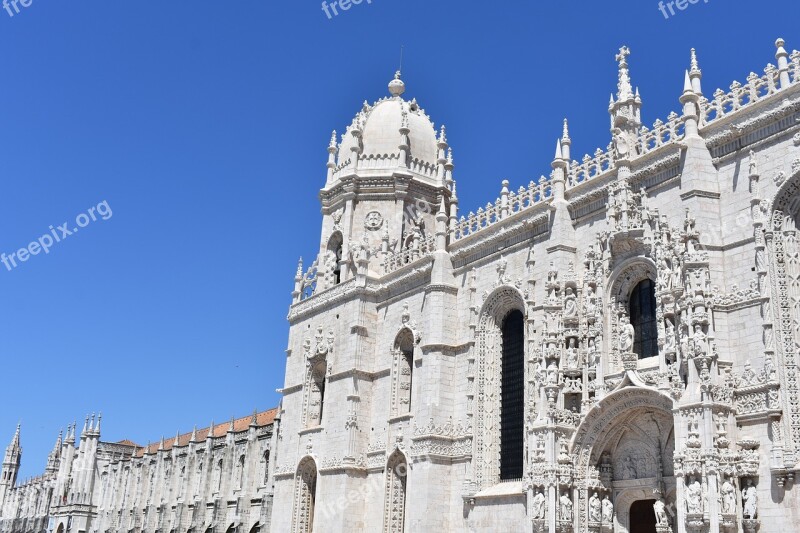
x,y
374,221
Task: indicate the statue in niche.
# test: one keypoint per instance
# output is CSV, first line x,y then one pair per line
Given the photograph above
x,y
539,506
661,512
728,497
594,354
694,498
539,372
699,338
570,304
595,508
769,368
552,374
626,335
608,510
572,354
566,507
664,274
750,501
591,305
669,334
629,468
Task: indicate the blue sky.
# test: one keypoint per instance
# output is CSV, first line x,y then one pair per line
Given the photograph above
x,y
204,127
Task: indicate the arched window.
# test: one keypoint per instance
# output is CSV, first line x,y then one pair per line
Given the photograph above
x,y
316,393
305,496
395,494
642,308
334,252
403,372
266,467
512,397
219,475
239,473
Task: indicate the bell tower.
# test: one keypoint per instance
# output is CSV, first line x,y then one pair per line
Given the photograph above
x,y
388,176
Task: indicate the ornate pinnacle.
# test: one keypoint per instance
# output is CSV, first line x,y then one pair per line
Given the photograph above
x,y
624,89
254,420
332,144
695,66
565,135
443,135
299,273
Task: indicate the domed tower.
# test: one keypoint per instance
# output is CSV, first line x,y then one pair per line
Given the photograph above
x,y
387,178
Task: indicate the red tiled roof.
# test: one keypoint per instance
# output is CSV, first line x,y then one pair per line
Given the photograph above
x,y
264,418
127,442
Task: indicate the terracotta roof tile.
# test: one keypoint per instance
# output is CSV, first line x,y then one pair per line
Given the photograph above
x,y
264,418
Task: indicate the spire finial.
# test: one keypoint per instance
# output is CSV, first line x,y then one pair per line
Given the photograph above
x,y
559,154
695,66
254,419
194,434
565,135
333,140
624,89
396,86
230,428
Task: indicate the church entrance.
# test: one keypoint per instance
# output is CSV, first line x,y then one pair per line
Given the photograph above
x,y
642,517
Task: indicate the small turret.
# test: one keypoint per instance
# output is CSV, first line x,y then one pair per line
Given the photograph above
x,y
10,469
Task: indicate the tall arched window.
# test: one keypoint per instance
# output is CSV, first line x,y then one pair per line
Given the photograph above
x,y
266,467
642,308
403,372
334,253
316,392
512,397
305,496
395,495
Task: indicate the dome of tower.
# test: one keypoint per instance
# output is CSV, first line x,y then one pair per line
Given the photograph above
x,y
380,126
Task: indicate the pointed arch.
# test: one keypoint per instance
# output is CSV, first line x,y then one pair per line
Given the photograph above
x,y
334,256
488,464
396,489
305,496
402,371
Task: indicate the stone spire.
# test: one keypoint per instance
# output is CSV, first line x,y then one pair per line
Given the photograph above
x,y
624,89
695,74
194,435
565,142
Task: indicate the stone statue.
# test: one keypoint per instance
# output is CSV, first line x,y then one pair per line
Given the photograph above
x,y
570,304
566,507
661,513
669,333
594,354
699,338
750,501
608,510
539,506
552,374
626,334
572,354
595,508
629,469
728,498
694,498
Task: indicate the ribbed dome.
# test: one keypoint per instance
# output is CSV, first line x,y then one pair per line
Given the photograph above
x,y
380,125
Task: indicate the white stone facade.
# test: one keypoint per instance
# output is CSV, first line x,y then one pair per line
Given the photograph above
x,y
397,404
613,348
204,481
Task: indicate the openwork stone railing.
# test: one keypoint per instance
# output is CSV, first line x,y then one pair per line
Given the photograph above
x,y
589,167
742,95
396,260
661,134
508,204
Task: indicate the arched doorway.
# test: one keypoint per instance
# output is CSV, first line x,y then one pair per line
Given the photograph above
x,y
642,517
629,435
